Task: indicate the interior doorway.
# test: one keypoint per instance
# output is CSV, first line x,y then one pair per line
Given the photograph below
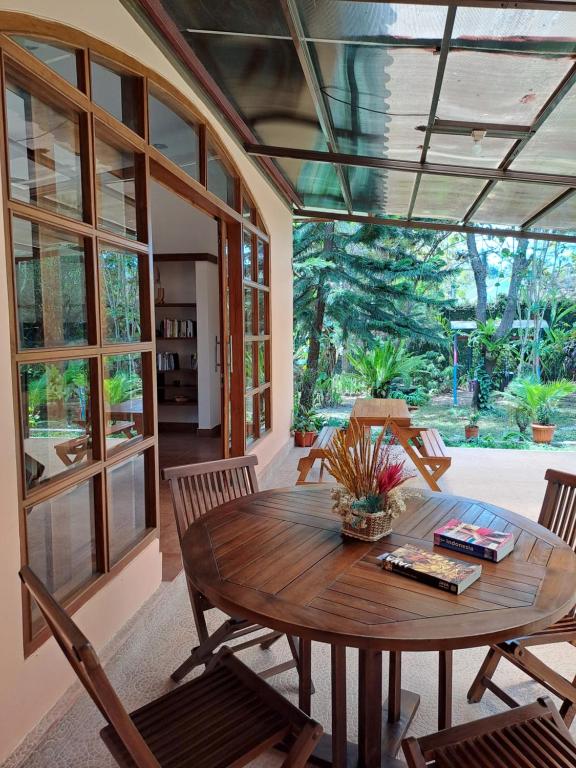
x,y
187,290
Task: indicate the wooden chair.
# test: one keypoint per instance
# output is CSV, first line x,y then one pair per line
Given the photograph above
x,y
558,514
317,451
196,489
427,450
226,717
533,736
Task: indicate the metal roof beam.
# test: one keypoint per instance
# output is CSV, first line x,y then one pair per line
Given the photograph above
x,y
297,33
410,166
443,58
433,225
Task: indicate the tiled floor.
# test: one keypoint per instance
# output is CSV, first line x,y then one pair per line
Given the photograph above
x,y
176,448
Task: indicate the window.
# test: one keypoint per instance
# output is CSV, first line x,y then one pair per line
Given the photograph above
x,y
121,285
61,58
44,153
116,189
127,494
220,181
174,136
118,92
123,400
56,418
61,540
257,353
50,276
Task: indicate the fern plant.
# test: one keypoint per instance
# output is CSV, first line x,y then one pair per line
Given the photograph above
x,y
380,366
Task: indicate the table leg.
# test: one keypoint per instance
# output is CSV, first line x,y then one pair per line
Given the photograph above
x,y
305,675
339,716
444,689
369,709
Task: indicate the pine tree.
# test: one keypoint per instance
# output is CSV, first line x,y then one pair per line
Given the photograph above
x,y
368,281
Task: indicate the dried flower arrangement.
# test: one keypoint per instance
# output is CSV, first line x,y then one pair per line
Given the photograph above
x,y
370,476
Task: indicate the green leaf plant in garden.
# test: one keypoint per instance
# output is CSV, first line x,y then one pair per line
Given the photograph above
x,y
380,366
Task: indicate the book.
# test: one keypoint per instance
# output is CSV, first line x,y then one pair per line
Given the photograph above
x,y
474,540
431,568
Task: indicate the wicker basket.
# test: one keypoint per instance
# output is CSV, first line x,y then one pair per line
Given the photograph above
x,y
377,525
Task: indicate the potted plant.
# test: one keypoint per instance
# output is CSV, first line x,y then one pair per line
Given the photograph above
x,y
543,426
471,429
306,425
368,497
534,401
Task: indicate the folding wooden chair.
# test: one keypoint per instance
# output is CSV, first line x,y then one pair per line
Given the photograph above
x,y
226,717
533,736
558,514
196,489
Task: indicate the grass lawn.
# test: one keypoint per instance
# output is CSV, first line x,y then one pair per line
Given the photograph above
x,y
497,427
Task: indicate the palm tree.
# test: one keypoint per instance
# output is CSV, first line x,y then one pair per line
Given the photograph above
x,y
379,366
527,396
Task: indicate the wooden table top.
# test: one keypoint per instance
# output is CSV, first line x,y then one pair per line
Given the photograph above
x,y
278,558
375,411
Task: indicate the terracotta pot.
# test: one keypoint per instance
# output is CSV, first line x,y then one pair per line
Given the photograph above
x,y
304,439
543,433
471,431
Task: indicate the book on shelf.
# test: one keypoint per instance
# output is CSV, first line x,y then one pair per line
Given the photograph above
x,y
474,540
431,568
171,328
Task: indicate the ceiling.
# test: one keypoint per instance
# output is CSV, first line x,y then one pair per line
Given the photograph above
x,y
463,116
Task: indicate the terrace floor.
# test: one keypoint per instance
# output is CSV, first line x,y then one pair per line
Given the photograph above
x,y
162,632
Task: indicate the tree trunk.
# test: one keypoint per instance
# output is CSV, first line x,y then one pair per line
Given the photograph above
x,y
480,272
519,269
312,360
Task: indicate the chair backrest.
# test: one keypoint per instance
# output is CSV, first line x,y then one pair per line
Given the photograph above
x,y
86,664
198,488
558,512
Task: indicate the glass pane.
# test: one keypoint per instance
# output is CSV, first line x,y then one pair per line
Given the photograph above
x,y
366,91
120,295
460,150
514,202
220,180
553,148
316,183
127,500
446,197
263,78
174,136
247,209
349,20
261,262
262,372
118,93
248,16
247,256
264,415
50,274
58,57
249,420
123,399
248,311
116,189
61,541
262,313
44,153
249,364
380,191
563,217
56,418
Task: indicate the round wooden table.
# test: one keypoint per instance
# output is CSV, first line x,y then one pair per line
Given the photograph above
x,y
278,559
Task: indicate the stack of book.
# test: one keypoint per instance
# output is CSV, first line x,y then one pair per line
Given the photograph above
x,y
474,540
177,329
167,361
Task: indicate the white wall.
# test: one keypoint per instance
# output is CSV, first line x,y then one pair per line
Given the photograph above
x,y
29,687
208,318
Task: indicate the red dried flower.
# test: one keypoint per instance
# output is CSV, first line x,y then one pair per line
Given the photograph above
x,y
391,476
